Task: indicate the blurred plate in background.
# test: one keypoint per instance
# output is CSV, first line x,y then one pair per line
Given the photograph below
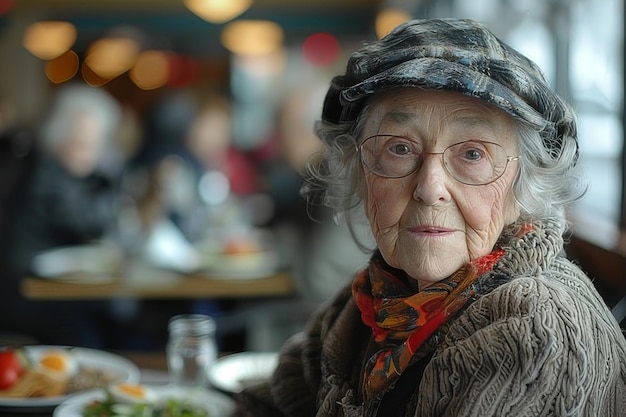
x,y
86,263
235,372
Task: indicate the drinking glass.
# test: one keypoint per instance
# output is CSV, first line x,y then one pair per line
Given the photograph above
x,y
191,349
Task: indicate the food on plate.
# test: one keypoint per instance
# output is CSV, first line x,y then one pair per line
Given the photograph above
x,y
12,366
33,383
137,400
131,393
58,364
30,373
240,245
88,377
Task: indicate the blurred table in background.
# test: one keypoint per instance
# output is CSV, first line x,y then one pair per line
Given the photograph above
x,y
183,286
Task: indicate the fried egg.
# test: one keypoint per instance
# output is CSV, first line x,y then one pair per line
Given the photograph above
x,y
56,363
126,393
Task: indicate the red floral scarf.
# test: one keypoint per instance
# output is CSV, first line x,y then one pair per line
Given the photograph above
x,y
401,319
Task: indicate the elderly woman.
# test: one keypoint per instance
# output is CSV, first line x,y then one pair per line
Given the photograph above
x,y
463,161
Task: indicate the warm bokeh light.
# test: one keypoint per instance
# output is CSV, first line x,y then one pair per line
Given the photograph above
x,y
49,39
62,68
91,78
218,11
320,49
110,57
389,18
252,37
151,70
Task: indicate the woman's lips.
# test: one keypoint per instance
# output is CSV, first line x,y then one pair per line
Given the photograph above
x,y
431,231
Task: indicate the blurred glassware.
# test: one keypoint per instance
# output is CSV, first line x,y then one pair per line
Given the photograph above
x,y
191,349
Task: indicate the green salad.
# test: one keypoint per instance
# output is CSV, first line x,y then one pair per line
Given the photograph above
x,y
171,407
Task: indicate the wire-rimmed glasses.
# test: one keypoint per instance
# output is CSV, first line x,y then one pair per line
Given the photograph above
x,y
471,162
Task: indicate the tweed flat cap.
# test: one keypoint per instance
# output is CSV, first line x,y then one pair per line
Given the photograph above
x,y
452,55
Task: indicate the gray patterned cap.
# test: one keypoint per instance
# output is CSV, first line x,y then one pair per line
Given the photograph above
x,y
453,55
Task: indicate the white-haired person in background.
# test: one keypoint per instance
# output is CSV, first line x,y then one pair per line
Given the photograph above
x,y
463,161
68,196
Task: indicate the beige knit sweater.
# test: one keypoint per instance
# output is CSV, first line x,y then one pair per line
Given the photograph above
x,y
541,344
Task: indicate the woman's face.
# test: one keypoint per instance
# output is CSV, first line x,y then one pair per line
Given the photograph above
x,y
427,223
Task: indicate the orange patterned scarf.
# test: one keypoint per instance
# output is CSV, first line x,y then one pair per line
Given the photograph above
x,y
401,320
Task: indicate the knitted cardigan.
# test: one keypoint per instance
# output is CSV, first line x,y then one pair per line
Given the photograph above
x,y
540,343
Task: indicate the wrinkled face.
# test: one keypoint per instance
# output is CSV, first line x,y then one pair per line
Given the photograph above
x,y
427,223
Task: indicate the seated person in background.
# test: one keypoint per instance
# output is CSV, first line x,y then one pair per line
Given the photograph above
x,y
463,161
66,198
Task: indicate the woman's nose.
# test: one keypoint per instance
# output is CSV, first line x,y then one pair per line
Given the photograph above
x,y
432,181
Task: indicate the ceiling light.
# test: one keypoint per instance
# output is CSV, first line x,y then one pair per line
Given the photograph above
x,y
110,57
218,11
252,37
49,39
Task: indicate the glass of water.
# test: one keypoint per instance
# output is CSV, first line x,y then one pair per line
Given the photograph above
x,y
191,349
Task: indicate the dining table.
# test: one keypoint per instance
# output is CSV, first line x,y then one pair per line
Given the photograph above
x,y
173,286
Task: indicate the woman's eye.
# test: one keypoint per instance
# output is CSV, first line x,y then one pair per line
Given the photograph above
x,y
472,154
400,149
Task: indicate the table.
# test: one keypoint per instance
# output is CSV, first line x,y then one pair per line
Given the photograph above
x,y
177,287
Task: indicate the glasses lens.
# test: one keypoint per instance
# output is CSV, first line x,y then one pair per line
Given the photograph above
x,y
475,163
390,156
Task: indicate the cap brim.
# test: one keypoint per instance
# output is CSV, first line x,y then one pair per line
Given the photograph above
x,y
439,74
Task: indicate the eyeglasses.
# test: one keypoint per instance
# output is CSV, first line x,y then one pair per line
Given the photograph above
x,y
471,162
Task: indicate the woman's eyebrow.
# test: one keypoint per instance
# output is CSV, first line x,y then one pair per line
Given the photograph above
x,y
471,121
400,117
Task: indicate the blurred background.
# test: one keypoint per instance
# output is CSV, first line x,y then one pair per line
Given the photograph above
x,y
203,123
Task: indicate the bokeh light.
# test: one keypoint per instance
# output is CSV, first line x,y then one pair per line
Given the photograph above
x,y
151,70
62,68
320,49
49,39
110,57
218,11
387,19
252,37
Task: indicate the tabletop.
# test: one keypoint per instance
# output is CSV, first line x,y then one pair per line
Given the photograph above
x,y
174,287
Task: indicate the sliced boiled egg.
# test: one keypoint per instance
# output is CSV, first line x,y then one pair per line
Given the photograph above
x,y
126,393
56,363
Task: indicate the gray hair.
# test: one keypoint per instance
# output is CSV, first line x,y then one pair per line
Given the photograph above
x,y
71,101
547,184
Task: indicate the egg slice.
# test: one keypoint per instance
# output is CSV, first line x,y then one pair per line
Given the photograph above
x,y
57,364
126,393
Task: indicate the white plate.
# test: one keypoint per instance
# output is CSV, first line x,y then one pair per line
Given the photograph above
x,y
215,403
242,266
94,263
91,358
235,372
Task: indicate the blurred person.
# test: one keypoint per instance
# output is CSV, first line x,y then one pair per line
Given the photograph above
x,y
67,197
210,140
162,176
463,161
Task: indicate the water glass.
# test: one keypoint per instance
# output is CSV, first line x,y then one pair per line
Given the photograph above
x,y
191,349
